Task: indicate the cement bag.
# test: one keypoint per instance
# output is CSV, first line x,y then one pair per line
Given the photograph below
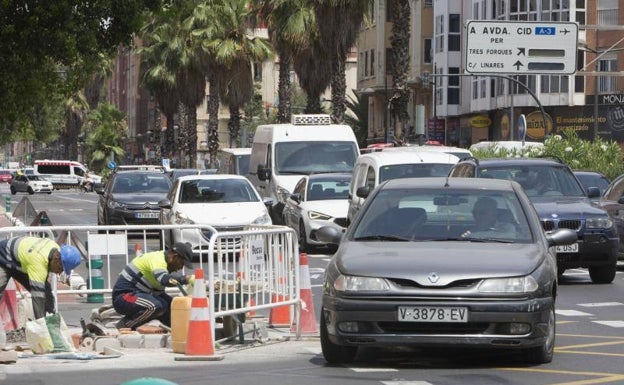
x,y
24,308
49,335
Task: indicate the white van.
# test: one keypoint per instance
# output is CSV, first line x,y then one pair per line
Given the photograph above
x,y
64,173
376,167
233,161
282,153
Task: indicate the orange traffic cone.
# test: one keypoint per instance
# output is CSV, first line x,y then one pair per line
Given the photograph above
x,y
138,249
279,315
199,341
307,319
8,307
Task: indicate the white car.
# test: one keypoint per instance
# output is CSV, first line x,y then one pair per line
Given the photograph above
x,y
30,184
226,202
317,200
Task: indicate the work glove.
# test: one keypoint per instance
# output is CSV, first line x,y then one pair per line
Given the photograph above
x,y
190,280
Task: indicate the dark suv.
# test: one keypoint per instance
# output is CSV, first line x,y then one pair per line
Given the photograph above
x,y
131,197
561,202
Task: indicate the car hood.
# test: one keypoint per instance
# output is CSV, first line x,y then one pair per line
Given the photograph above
x,y
565,207
337,208
454,261
138,198
223,214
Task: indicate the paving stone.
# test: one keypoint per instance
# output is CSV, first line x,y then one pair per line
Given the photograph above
x,y
132,341
103,342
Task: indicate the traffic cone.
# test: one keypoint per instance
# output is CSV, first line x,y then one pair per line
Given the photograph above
x,y
199,342
279,315
138,249
8,307
307,319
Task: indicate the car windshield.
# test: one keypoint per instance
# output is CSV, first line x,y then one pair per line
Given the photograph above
x,y
314,157
34,177
413,170
593,180
216,191
537,181
323,189
141,183
437,215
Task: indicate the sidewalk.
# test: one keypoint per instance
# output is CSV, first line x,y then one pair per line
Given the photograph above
x,y
131,350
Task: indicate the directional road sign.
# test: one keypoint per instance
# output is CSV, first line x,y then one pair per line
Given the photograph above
x,y
517,47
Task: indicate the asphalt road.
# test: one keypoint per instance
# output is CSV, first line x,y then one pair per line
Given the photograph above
x,y
590,342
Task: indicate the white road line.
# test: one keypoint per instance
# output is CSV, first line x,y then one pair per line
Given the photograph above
x,y
314,350
316,285
368,370
601,304
315,276
572,313
406,383
614,324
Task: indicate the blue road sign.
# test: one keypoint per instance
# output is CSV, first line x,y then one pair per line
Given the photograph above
x,y
111,165
545,31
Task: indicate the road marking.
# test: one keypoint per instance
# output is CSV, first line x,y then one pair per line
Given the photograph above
x,y
591,345
613,324
315,276
368,370
604,377
572,313
601,304
406,383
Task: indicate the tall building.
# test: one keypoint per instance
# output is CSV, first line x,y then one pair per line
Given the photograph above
x,y
466,108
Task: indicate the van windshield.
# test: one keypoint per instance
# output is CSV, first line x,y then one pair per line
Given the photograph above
x,y
314,157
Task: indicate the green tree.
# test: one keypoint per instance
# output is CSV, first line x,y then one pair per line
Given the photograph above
x,y
38,38
358,119
106,129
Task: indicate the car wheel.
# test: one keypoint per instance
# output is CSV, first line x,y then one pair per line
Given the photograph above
x,y
30,190
335,354
303,239
13,190
544,354
602,274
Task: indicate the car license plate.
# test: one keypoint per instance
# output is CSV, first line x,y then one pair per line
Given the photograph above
x,y
146,215
573,248
433,314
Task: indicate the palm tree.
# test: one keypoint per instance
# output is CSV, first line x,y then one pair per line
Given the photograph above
x,y
400,60
288,23
341,21
229,41
106,128
76,109
313,68
358,119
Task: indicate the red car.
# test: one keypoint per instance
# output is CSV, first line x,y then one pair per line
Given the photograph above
x,y
6,176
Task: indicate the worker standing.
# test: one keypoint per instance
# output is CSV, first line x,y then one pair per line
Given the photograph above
x,y
29,260
139,293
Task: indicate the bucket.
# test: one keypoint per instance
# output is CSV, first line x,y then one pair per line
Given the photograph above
x,y
180,315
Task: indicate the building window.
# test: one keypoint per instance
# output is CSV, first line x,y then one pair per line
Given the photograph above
x,y
428,3
389,10
452,96
366,64
257,72
388,61
579,81
439,34
454,38
553,84
607,12
580,12
607,84
427,51
372,62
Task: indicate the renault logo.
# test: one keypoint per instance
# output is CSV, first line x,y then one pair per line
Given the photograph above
x,y
433,277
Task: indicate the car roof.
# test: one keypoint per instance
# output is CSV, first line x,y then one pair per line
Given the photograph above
x,y
211,177
507,144
584,172
238,151
515,161
403,157
451,183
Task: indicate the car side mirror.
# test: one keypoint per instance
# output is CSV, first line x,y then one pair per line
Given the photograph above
x,y
621,200
331,235
296,197
164,204
268,202
264,173
363,192
99,190
593,192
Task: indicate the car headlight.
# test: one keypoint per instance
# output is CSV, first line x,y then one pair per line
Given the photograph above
x,y
598,223
282,194
526,284
317,215
116,205
183,219
353,283
264,219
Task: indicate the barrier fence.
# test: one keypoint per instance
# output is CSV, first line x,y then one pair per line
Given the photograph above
x,y
247,270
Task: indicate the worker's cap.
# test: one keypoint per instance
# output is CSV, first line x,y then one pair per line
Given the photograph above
x,y
185,251
70,256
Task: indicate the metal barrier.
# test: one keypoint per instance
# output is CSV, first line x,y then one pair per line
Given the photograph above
x,y
252,269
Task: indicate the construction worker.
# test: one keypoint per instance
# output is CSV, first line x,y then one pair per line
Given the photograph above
x,y
139,293
29,260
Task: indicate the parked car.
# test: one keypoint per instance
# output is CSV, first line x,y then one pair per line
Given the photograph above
x,y
30,184
592,179
612,201
317,200
234,161
6,176
226,202
131,197
409,271
561,202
